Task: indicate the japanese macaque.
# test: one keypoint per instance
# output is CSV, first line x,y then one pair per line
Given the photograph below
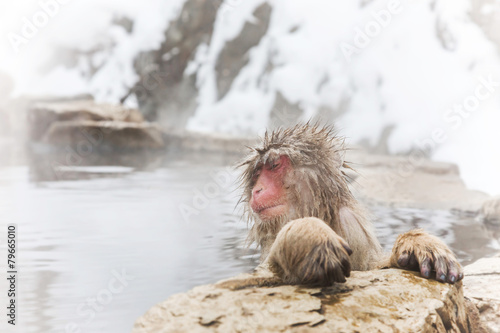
x,y
309,226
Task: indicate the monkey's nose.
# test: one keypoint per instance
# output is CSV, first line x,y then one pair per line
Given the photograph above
x,y
257,191
256,200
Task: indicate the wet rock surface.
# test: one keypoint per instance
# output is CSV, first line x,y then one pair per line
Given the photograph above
x,y
374,301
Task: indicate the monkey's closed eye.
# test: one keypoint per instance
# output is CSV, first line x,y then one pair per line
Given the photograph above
x,y
275,166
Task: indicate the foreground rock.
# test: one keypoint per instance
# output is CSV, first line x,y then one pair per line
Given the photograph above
x,y
482,286
374,301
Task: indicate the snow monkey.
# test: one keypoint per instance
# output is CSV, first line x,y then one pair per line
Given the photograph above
x,y
309,226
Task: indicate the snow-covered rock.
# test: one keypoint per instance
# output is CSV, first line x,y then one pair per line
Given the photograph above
x,y
396,75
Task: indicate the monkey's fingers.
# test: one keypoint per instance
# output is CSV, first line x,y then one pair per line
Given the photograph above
x,y
426,267
346,267
346,247
339,265
417,250
307,251
448,269
335,273
455,272
325,271
342,253
409,261
327,263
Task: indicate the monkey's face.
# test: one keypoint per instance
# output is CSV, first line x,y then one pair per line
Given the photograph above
x,y
269,195
293,173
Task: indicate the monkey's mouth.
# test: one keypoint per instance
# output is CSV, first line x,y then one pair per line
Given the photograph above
x,y
268,209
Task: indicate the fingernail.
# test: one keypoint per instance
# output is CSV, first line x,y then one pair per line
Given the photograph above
x,y
426,274
442,277
452,279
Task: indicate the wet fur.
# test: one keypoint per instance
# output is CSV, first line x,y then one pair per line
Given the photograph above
x,y
307,244
310,238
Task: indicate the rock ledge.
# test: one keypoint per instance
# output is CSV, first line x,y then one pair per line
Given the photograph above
x,y
374,301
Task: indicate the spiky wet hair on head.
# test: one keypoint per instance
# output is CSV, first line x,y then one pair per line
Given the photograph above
x,y
316,154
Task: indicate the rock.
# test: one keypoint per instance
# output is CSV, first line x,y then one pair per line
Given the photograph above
x,y
396,181
42,115
88,136
373,301
107,127
86,127
235,53
482,286
166,91
490,212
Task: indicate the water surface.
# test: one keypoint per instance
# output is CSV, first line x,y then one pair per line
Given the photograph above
x,y
164,223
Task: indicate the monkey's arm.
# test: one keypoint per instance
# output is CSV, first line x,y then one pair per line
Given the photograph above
x,y
307,251
419,251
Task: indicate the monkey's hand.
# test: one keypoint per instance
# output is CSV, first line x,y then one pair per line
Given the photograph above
x,y
307,251
417,250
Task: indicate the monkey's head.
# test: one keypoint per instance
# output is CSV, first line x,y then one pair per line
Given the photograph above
x,y
293,173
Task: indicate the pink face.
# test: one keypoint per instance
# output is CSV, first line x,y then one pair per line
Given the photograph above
x,y
269,198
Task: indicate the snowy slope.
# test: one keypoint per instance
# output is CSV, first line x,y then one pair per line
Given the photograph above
x,y
428,57
406,76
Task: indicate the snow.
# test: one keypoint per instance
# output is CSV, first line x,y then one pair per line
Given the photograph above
x,y
84,26
405,76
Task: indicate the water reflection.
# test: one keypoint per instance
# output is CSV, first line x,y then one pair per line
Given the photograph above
x,y
468,238
77,230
